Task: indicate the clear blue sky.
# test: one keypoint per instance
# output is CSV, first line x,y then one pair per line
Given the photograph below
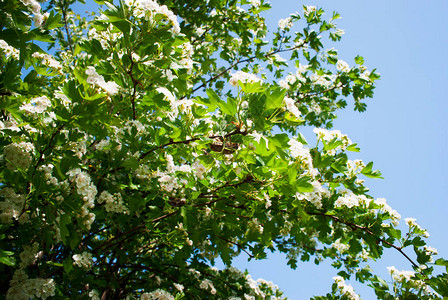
x,y
405,128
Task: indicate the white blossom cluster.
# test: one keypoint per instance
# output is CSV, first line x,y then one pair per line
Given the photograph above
x,y
49,178
323,79
36,105
48,60
150,10
340,247
243,77
291,107
35,8
9,51
24,288
64,99
12,206
285,23
95,79
255,3
315,197
365,75
400,276
289,80
307,10
79,147
406,277
342,66
329,135
29,255
94,295
298,150
206,284
255,225
113,203
354,167
87,190
348,199
255,286
158,294
83,260
412,223
394,215
18,155
103,145
346,289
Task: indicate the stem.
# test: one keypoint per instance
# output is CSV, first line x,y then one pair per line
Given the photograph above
x,y
64,15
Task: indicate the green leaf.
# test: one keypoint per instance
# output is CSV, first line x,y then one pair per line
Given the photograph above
x,y
251,87
6,258
367,171
353,148
303,185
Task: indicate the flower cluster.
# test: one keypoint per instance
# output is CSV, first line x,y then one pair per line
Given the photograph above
x,y
9,51
83,260
36,105
345,289
284,24
150,10
206,284
243,77
35,8
12,207
48,60
18,155
24,288
394,215
309,9
113,203
315,197
342,66
87,190
291,107
95,79
329,135
158,294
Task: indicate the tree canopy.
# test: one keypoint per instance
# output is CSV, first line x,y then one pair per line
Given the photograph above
x,y
144,142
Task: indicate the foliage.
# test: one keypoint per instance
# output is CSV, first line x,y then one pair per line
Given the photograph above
x,y
136,150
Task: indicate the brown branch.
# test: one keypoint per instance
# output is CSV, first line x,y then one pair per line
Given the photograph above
x,y
236,244
64,15
186,142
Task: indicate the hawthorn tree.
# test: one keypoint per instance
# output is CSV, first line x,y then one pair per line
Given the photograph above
x,y
143,142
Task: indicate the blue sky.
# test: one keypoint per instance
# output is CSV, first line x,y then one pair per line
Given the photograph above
x,y
404,131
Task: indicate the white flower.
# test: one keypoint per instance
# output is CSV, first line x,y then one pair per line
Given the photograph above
x,y
307,10
291,107
243,77
94,78
36,105
199,169
342,66
255,3
285,23
9,50
83,260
